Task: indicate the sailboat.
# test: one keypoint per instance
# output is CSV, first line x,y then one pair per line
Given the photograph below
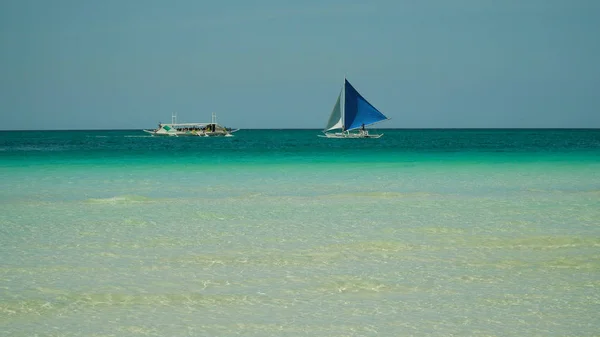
x,y
352,112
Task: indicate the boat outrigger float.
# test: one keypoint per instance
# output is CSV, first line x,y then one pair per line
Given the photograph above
x,y
212,129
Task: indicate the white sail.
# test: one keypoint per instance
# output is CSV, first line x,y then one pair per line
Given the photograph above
x,y
335,119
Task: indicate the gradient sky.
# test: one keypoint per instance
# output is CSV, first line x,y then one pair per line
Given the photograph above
x,y
127,64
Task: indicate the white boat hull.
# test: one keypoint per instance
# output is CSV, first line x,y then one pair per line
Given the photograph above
x,y
220,133
215,134
350,135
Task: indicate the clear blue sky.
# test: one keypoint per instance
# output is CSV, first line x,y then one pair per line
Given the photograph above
x,y
114,64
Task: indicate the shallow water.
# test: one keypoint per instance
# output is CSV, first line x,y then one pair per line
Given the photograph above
x,y
282,233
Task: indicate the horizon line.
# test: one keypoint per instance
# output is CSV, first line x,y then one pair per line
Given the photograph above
x,y
319,129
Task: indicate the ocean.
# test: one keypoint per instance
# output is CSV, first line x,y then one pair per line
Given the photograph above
x,y
283,233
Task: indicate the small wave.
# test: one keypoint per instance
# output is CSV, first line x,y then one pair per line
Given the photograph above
x,y
33,148
125,199
213,216
542,242
593,192
58,301
585,263
373,247
363,285
383,195
510,300
440,230
320,256
272,259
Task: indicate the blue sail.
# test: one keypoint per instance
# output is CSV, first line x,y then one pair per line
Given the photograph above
x,y
357,110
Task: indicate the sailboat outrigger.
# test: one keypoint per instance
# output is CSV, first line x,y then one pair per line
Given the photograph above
x,y
352,112
212,129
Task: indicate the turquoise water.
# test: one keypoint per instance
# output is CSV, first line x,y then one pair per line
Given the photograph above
x,y
282,233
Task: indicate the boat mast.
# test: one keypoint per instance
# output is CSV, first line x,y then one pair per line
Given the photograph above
x,y
343,104
214,118
173,118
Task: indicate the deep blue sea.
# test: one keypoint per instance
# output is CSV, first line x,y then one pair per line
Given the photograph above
x,y
283,233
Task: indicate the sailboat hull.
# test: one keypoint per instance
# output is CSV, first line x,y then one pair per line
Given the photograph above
x,y
350,135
